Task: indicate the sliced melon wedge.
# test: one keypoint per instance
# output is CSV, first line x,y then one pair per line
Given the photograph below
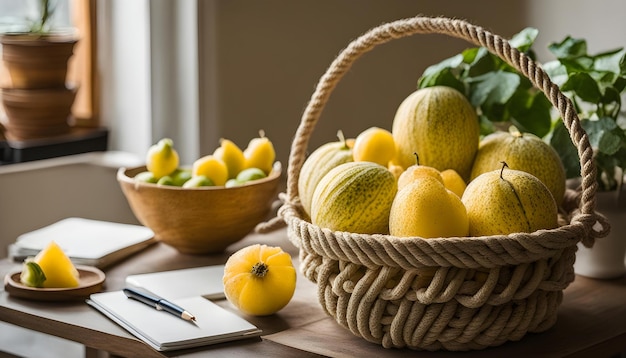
x,y
59,270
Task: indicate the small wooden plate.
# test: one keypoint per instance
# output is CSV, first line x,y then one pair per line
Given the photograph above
x,y
91,280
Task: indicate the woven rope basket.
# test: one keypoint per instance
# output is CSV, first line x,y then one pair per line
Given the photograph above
x,y
443,293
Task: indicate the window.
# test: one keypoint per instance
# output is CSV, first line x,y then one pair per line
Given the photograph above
x,y
80,14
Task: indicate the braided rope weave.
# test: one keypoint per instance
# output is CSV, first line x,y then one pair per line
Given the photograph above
x,y
446,293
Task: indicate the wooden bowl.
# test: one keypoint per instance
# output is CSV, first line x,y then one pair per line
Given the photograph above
x,y
200,220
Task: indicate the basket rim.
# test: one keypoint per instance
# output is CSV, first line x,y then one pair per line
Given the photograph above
x,y
473,252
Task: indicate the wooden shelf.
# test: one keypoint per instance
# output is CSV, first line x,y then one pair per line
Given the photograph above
x,y
79,140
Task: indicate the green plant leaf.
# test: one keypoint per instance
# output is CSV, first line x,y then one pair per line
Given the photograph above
x,y
530,112
584,86
432,74
483,62
556,71
561,142
612,61
493,87
524,39
568,48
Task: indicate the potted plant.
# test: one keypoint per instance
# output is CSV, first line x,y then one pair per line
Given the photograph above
x,y
594,83
38,102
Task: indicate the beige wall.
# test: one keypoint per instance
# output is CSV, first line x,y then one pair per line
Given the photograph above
x,y
270,55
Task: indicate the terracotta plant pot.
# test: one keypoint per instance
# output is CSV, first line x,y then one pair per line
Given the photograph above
x,y
37,113
36,61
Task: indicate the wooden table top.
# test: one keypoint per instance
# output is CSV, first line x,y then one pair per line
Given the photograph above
x,y
591,319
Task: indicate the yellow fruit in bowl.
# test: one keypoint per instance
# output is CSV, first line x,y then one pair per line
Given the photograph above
x,y
354,197
59,271
229,153
416,171
425,208
162,159
505,201
522,151
395,169
453,181
211,167
441,125
374,145
259,280
320,162
260,153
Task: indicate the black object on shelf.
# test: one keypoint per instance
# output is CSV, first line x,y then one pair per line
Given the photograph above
x,y
79,140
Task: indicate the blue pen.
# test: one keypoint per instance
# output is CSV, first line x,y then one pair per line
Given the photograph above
x,y
159,303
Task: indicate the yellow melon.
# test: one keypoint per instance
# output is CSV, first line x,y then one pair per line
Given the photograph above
x,y
441,125
522,151
354,197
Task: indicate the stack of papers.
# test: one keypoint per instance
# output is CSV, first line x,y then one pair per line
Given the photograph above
x,y
85,241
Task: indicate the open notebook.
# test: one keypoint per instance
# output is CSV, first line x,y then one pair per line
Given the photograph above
x,y
164,331
85,241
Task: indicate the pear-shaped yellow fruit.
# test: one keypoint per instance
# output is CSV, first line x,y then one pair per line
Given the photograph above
x,y
60,272
229,153
522,151
260,153
425,208
507,201
416,171
162,159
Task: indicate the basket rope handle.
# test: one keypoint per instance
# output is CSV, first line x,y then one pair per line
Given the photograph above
x,y
473,34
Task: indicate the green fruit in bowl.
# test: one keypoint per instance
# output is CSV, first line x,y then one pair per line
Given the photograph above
x,y
165,180
198,181
250,174
232,182
181,176
146,177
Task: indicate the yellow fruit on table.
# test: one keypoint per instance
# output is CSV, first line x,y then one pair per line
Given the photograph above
x,y
60,272
425,208
506,201
320,162
229,153
354,197
212,168
259,280
374,145
260,153
416,171
525,152
453,181
440,125
162,159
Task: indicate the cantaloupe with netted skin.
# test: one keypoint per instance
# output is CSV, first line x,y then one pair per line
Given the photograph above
x,y
59,270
